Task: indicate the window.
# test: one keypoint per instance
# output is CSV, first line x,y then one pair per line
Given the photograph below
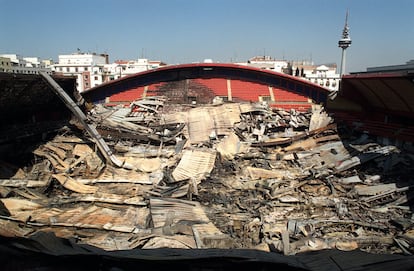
x,y
86,68
67,69
96,77
76,69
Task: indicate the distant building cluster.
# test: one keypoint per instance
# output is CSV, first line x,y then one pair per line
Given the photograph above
x,y
323,75
13,63
91,69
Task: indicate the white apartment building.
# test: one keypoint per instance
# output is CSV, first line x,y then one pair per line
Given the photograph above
x,y
323,75
121,68
14,63
266,63
87,67
5,64
93,69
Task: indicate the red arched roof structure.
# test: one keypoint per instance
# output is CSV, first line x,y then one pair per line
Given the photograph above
x,y
236,82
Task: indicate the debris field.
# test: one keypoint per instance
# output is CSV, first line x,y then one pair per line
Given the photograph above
x,y
225,175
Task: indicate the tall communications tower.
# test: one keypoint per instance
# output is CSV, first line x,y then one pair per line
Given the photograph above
x,y
344,43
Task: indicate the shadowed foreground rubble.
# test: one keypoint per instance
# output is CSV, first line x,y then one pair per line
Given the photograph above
x,y
225,176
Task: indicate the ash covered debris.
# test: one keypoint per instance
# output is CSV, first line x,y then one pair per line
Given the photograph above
x,y
230,175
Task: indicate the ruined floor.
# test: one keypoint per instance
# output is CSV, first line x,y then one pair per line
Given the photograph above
x,y
230,175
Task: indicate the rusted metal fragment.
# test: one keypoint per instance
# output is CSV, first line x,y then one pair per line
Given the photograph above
x,y
57,163
94,163
16,205
209,236
14,229
173,211
309,143
177,241
58,151
260,173
128,219
73,185
20,209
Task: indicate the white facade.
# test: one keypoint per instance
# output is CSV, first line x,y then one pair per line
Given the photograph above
x,y
88,68
134,66
92,70
121,68
266,63
23,65
83,59
324,76
5,64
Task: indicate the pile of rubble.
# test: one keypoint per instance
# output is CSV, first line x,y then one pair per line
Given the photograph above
x,y
229,175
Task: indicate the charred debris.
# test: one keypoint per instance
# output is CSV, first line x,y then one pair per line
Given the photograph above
x,y
224,175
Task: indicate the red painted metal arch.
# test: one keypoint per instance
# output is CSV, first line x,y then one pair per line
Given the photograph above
x,y
208,70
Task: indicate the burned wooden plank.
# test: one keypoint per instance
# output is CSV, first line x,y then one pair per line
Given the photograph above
x,y
178,211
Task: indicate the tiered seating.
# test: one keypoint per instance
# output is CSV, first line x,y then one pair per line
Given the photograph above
x,y
375,127
206,89
217,85
287,96
136,93
153,89
288,100
127,96
248,91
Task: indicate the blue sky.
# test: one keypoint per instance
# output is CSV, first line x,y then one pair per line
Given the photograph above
x,y
185,31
